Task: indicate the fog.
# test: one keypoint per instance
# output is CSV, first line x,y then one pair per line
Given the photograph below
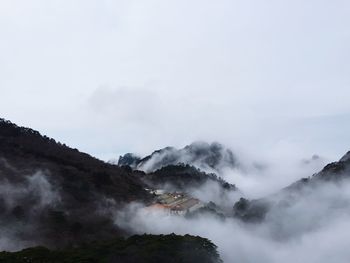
x,y
22,200
307,224
256,176
209,157
268,79
310,228
263,177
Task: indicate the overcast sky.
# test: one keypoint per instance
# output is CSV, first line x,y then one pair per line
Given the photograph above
x,y
109,76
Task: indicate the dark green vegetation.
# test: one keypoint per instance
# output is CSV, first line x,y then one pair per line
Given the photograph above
x,y
182,177
136,249
56,196
250,211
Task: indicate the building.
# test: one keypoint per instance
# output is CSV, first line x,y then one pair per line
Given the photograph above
x,y
176,203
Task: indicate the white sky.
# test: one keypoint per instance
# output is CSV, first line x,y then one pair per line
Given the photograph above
x,y
269,77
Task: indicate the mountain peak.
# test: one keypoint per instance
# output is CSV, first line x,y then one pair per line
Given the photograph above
x,y
207,156
346,157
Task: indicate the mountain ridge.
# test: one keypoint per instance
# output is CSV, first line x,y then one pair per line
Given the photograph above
x,y
256,210
211,157
72,193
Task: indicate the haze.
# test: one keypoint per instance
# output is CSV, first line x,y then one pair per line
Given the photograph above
x,y
270,78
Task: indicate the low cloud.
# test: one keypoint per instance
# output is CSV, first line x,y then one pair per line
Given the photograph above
x,y
35,188
311,228
21,204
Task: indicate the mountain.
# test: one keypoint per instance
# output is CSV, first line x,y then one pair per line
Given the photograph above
x,y
136,249
329,185
129,159
336,170
182,177
54,195
208,157
65,201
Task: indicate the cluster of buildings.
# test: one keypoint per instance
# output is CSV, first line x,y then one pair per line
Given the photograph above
x,y
175,203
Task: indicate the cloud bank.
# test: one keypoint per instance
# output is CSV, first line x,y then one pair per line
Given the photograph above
x,y
312,228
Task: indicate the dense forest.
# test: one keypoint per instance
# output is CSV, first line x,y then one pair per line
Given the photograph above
x,y
136,249
61,203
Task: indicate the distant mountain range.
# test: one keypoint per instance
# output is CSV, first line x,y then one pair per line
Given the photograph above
x,y
192,167
208,157
54,196
305,190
